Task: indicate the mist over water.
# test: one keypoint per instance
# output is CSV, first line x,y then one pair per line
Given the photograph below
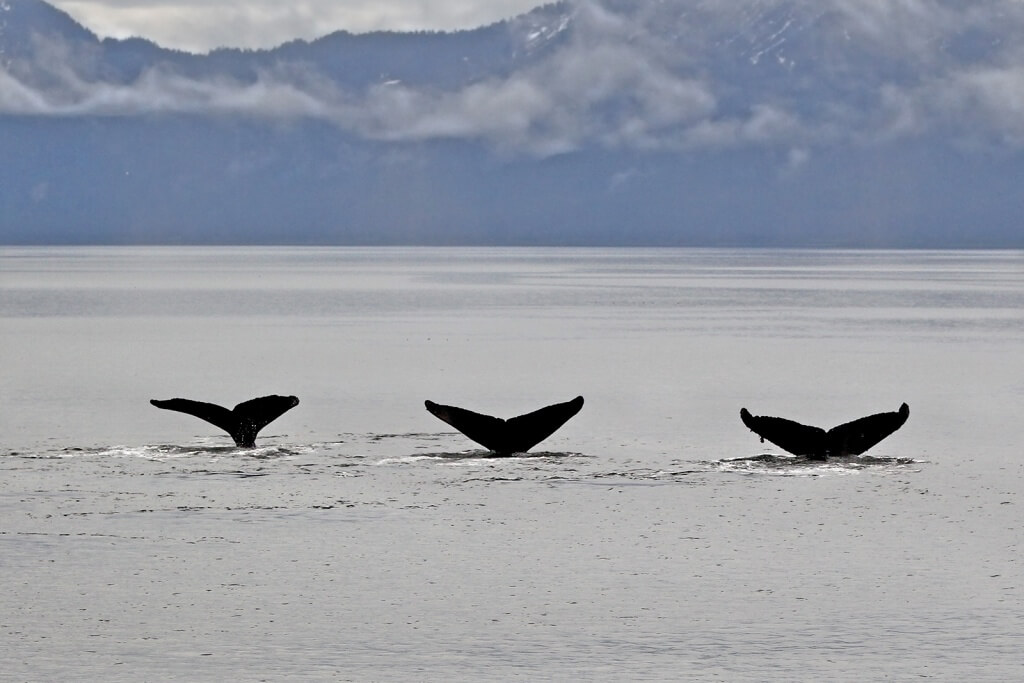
x,y
652,537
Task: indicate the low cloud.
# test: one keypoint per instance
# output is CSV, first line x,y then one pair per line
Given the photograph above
x,y
991,98
609,92
632,79
159,90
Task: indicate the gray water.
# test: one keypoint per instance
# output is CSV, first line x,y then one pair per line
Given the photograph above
x,y
365,540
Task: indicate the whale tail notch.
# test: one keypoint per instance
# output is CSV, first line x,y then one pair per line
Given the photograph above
x,y
504,437
851,438
243,422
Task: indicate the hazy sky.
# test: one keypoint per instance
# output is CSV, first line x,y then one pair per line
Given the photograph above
x,y
200,25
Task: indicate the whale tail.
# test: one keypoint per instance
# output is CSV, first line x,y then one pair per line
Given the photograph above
x,y
854,438
851,438
515,435
243,422
788,435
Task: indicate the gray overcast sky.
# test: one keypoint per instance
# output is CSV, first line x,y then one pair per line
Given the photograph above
x,y
201,25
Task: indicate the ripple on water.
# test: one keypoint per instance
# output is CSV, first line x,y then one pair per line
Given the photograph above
x,y
478,457
798,466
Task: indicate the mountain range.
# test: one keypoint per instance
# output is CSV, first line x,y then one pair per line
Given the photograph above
x,y
836,123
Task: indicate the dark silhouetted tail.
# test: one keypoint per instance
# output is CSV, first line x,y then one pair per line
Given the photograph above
x,y
487,431
526,431
852,438
516,435
788,435
243,422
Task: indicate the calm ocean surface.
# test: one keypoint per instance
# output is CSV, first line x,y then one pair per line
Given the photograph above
x,y
365,540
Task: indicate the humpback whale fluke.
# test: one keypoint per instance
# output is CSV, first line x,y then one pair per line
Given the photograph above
x,y
852,438
243,422
515,435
